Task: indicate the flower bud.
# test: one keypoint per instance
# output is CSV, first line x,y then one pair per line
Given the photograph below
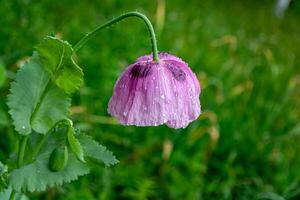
x,y
58,159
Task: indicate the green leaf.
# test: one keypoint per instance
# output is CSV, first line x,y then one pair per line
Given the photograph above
x,y
37,176
2,74
4,195
35,102
75,144
96,151
56,57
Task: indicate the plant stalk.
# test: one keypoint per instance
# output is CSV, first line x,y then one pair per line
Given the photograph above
x,y
91,34
12,195
21,153
22,150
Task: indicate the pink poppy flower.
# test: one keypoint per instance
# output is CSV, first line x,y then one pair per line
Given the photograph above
x,y
151,93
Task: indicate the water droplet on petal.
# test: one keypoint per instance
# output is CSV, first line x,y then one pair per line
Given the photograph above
x,y
125,114
162,96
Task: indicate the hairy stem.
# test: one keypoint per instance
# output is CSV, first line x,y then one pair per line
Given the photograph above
x,y
91,34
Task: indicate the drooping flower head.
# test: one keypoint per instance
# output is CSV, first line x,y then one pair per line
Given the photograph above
x,y
151,93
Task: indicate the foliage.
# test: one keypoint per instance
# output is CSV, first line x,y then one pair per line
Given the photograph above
x,y
56,56
34,110
39,105
95,151
37,176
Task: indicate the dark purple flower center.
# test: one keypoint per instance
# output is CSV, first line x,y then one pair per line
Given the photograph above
x,y
141,71
178,73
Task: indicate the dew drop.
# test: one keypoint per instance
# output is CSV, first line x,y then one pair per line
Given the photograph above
x,y
125,114
162,96
23,127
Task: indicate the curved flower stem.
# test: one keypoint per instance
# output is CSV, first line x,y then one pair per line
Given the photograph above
x,y
91,34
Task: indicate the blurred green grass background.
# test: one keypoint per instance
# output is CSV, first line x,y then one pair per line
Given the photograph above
x,y
245,145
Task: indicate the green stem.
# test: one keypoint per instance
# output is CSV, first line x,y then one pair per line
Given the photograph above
x,y
91,34
39,146
12,195
21,153
22,150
